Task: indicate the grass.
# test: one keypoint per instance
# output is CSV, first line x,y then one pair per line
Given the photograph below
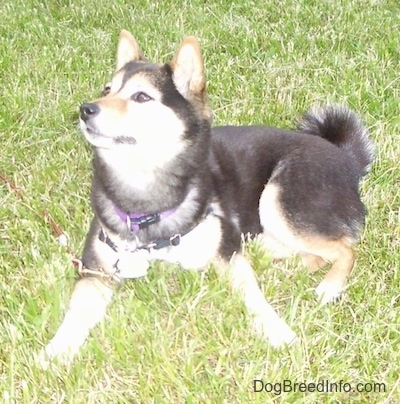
x,y
179,336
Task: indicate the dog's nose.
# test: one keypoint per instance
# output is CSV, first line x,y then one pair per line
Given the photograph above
x,y
89,110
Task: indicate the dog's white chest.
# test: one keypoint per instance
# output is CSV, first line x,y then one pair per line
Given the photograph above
x,y
133,264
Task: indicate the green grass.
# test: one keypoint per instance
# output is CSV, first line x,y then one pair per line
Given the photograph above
x,y
179,336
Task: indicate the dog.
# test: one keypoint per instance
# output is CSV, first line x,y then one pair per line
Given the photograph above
x,y
167,186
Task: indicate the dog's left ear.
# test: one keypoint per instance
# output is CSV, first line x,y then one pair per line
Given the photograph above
x,y
128,49
188,68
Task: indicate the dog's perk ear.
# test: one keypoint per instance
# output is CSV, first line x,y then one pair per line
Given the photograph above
x,y
128,49
188,68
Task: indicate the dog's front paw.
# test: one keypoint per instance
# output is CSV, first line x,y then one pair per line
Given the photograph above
x,y
277,332
64,345
328,292
59,352
282,337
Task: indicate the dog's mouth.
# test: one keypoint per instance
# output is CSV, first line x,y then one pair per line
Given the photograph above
x,y
99,139
125,140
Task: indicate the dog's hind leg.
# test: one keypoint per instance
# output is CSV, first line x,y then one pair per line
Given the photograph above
x,y
315,250
266,321
338,253
312,262
87,307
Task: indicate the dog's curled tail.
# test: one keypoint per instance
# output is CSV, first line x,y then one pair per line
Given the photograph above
x,y
342,127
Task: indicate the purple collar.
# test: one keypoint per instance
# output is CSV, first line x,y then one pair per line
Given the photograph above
x,y
139,221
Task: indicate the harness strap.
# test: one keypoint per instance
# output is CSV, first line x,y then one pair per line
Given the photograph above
x,y
173,241
163,242
105,239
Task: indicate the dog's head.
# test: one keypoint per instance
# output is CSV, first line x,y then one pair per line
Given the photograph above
x,y
149,108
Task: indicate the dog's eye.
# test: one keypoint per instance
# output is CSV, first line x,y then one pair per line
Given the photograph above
x,y
141,97
106,90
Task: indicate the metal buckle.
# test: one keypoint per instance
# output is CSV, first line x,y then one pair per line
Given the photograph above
x,y
129,223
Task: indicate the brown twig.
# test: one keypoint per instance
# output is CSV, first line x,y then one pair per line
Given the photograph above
x,y
12,186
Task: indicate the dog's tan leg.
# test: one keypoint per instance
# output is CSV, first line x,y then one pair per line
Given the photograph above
x,y
340,254
266,321
87,307
315,250
312,262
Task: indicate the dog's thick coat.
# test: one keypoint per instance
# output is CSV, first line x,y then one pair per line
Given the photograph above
x,y
167,186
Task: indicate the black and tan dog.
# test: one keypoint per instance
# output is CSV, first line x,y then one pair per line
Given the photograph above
x,y
167,186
